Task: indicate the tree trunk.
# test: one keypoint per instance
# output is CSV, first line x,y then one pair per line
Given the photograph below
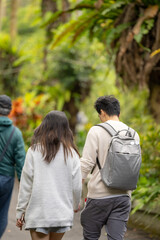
x,y
13,24
1,13
51,6
154,88
65,5
81,90
134,62
48,6
73,110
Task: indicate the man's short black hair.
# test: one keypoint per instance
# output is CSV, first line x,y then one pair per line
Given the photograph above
x,y
108,104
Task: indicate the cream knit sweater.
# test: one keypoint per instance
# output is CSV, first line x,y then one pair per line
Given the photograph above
x,y
49,192
97,144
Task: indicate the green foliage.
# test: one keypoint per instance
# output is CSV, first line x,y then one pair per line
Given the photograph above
x,y
71,69
148,190
30,42
114,33
80,139
75,26
112,6
135,113
70,66
151,2
145,28
58,93
10,63
50,18
89,20
102,22
28,112
82,64
28,15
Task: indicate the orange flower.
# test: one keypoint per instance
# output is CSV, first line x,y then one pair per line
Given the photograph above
x,y
17,108
37,100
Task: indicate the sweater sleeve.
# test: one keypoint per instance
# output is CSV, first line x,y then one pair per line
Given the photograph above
x,y
90,151
25,185
76,181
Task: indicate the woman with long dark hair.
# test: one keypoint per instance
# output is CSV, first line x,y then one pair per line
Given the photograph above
x,y
50,186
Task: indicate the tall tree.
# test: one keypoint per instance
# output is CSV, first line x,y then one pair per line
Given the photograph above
x,y
132,30
65,6
9,71
51,6
48,6
73,74
13,18
65,72
2,12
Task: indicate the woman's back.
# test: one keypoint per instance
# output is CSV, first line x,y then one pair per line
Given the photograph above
x,y
55,187
51,184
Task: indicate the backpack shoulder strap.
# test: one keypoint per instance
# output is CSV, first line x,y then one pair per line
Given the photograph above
x,y
112,133
132,131
108,128
7,144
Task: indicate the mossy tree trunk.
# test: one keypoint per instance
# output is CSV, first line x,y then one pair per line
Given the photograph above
x,y
2,12
154,89
13,19
48,6
134,62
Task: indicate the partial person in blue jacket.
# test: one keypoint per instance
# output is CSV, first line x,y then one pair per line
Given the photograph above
x,y
12,156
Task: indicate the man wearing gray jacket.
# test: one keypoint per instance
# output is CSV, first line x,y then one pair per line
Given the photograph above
x,y
105,206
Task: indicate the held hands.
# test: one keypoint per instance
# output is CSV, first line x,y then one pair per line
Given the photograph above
x,y
78,209
20,222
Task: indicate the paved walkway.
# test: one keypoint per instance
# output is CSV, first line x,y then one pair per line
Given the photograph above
x,y
13,233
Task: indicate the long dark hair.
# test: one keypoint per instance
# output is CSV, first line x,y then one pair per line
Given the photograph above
x,y
53,131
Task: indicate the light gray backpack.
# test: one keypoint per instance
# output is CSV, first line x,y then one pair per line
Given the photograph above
x,y
123,160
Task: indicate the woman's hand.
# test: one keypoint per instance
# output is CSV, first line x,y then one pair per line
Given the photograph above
x,y
78,209
20,222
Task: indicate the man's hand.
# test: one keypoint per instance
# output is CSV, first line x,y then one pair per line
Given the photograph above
x,y
78,209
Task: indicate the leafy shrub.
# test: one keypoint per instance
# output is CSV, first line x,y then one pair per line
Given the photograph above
x,y
27,113
148,190
10,65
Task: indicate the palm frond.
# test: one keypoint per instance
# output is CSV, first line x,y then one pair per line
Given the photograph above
x,y
64,34
74,27
56,15
113,33
83,26
52,18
